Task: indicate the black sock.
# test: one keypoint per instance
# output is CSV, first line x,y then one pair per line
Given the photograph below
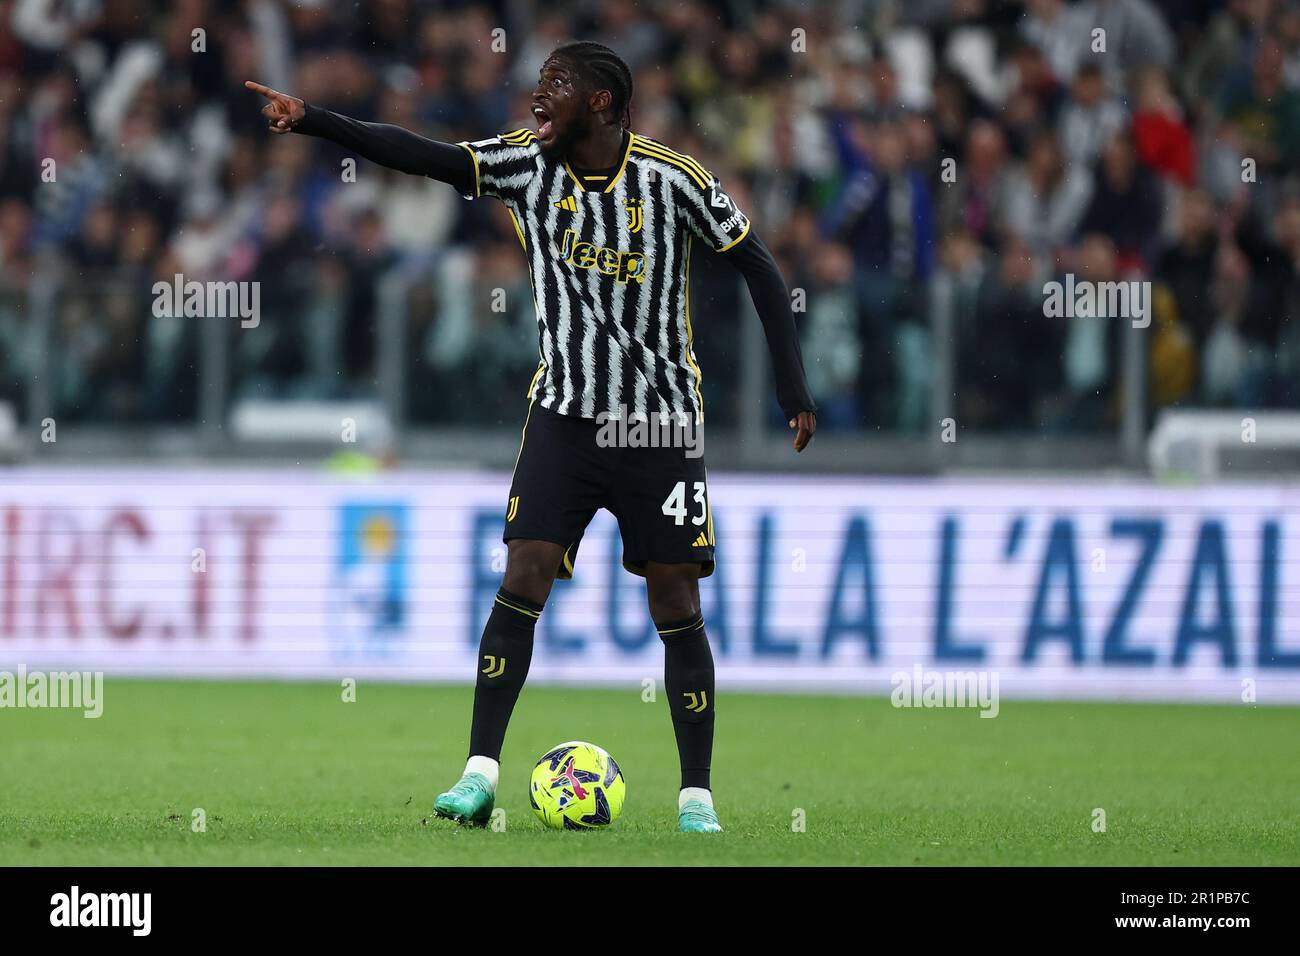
x,y
688,679
503,658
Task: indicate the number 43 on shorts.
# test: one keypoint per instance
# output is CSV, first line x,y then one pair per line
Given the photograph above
x,y
675,504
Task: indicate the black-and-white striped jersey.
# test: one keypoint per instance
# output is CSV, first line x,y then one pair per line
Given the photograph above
x,y
609,270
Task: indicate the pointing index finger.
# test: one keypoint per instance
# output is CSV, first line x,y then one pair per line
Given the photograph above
x,y
259,88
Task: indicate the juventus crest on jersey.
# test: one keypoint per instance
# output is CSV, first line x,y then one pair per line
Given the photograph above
x,y
609,270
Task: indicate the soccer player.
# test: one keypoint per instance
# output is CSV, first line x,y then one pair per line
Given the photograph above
x,y
607,219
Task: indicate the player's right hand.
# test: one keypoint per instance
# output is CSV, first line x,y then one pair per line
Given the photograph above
x,y
282,111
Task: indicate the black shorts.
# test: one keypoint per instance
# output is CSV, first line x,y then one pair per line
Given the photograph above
x,y
563,476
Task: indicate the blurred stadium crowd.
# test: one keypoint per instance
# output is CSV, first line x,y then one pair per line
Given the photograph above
x,y
828,122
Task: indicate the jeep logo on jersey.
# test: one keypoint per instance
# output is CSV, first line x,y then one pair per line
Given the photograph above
x,y
611,262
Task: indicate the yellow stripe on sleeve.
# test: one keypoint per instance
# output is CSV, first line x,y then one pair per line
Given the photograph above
x,y
682,159
648,150
474,157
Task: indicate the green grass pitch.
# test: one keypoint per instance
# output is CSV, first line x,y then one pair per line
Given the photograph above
x,y
287,773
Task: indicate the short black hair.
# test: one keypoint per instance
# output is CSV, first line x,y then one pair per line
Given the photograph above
x,y
604,69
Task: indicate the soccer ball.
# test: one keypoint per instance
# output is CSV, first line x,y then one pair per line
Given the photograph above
x,y
577,786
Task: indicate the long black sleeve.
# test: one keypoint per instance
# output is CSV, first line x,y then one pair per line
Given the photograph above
x,y
772,300
393,147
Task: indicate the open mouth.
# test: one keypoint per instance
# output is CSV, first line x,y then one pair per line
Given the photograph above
x,y
543,122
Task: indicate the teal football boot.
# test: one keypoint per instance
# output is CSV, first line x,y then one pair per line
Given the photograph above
x,y
469,801
698,817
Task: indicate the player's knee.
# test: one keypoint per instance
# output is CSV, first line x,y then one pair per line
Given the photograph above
x,y
674,606
530,569
674,593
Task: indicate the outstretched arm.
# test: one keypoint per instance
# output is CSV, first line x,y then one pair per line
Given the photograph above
x,y
772,300
381,143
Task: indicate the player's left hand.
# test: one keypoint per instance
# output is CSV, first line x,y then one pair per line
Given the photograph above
x,y
805,424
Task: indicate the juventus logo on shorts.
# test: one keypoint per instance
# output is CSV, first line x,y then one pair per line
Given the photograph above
x,y
513,508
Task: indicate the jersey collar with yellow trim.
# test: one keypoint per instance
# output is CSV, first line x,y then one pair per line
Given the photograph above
x,y
603,180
